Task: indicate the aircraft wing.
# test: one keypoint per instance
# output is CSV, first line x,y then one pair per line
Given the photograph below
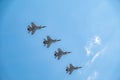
x,y
33,24
33,31
59,50
48,45
70,72
59,57
71,66
49,38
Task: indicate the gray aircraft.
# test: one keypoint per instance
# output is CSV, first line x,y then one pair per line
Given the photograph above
x,y
71,68
60,53
49,41
34,27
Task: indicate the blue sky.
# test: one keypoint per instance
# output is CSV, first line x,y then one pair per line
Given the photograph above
x,y
89,29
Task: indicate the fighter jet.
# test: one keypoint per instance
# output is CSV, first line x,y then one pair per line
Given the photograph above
x,y
71,68
60,53
33,28
49,41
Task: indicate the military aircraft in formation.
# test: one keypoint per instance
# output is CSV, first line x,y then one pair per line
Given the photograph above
x,y
34,27
47,42
60,53
71,68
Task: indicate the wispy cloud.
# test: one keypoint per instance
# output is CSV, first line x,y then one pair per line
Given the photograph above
x,y
97,55
93,76
93,59
96,40
88,51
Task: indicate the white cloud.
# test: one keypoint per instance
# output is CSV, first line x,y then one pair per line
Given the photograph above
x,y
96,40
93,76
88,51
97,55
93,58
88,48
